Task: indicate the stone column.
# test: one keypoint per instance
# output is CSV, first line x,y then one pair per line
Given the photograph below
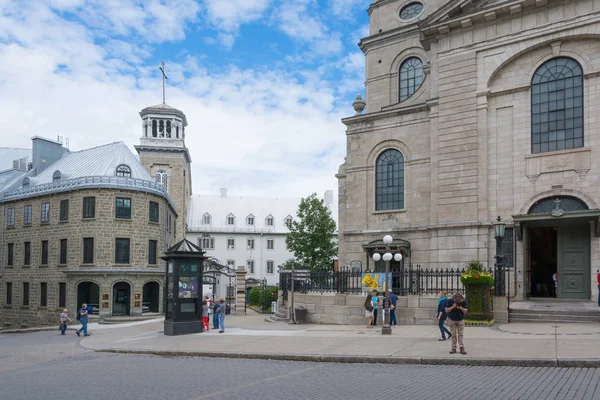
x,y
240,291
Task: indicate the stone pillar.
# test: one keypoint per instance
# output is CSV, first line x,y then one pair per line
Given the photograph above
x,y
240,291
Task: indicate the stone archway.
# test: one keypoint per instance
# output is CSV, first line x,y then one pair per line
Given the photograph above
x,y
150,297
121,299
89,293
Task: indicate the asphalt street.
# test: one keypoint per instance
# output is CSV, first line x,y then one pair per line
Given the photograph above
x,y
44,365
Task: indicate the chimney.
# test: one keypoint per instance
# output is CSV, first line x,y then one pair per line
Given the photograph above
x,y
223,192
45,152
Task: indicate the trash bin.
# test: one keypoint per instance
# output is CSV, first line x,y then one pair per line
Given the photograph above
x,y
273,307
300,315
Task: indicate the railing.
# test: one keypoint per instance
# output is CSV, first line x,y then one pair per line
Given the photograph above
x,y
406,281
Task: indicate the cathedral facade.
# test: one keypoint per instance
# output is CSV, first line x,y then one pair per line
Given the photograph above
x,y
474,110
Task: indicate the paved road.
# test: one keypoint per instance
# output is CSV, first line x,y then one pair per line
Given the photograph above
x,y
44,365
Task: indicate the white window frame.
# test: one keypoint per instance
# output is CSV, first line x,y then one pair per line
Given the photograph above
x,y
272,241
270,221
272,266
10,217
230,243
250,220
250,244
231,264
210,241
250,266
231,218
288,221
206,217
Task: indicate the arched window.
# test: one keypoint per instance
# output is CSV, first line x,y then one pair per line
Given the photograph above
x,y
25,182
206,219
270,221
168,129
288,221
123,170
250,220
231,219
56,176
557,106
161,177
411,77
389,181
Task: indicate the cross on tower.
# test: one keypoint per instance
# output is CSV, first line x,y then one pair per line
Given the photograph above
x,y
164,77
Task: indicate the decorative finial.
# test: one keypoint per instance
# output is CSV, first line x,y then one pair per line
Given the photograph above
x,y
359,104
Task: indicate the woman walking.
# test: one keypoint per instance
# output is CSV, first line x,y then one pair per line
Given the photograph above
x,y
442,315
369,310
205,326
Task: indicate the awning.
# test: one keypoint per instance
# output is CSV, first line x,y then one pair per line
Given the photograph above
x,y
397,245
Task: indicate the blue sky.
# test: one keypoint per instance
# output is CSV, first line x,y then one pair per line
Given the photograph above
x,y
263,83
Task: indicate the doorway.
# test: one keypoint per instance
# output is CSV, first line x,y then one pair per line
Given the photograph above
x,y
543,261
150,297
121,298
89,293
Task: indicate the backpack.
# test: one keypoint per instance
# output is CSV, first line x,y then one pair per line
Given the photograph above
x,y
78,316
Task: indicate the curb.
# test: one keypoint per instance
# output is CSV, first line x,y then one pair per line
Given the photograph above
x,y
349,359
40,329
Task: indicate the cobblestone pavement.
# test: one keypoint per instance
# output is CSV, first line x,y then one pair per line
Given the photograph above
x,y
42,366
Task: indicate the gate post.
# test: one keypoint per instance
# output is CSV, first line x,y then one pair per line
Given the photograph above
x,y
240,291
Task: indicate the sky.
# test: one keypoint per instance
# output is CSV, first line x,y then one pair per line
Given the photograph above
x,y
263,83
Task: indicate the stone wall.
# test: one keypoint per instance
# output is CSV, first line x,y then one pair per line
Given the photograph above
x,y
104,228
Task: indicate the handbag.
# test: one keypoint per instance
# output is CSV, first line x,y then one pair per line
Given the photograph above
x,y
369,307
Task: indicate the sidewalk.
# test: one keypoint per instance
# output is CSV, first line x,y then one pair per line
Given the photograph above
x,y
249,336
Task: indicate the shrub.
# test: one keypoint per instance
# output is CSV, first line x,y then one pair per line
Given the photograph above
x,y
254,297
475,275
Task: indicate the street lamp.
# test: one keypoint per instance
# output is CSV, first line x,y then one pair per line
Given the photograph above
x,y
386,329
499,229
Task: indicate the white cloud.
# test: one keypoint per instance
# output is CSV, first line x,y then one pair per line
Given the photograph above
x,y
226,16
345,8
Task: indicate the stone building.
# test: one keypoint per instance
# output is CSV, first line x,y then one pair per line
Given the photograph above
x,y
90,226
477,109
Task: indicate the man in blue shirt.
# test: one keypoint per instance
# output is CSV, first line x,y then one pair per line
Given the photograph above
x,y
457,307
375,301
393,299
83,318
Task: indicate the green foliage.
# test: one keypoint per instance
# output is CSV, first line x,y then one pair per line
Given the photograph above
x,y
479,302
291,262
476,276
475,266
254,297
311,236
267,296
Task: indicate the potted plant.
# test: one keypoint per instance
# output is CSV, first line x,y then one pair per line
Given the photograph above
x,y
478,284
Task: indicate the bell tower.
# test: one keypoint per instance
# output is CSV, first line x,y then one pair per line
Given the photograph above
x,y
164,155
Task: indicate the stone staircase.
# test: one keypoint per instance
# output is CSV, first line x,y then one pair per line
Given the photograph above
x,y
555,313
282,315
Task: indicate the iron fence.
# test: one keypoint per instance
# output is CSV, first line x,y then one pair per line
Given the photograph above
x,y
413,280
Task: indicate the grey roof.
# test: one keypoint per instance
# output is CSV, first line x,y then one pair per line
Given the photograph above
x,y
9,154
88,168
164,109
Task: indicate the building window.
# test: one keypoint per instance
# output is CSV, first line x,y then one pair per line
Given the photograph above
x,y
25,182
88,250
10,217
64,210
557,106
45,216
250,220
250,244
25,293
43,294
411,77
8,293
206,219
230,219
161,177
270,267
124,171
411,11
27,253
270,244
11,254
152,248
62,260
389,181
62,294
270,221
89,207
230,243
250,266
231,264
56,177
121,251
288,221
123,208
153,211
207,242
44,252
27,215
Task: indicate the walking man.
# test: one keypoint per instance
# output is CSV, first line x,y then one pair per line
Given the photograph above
x,y
221,309
393,299
598,271
83,318
457,307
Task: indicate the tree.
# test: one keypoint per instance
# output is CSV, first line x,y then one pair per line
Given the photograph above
x,y
311,236
292,262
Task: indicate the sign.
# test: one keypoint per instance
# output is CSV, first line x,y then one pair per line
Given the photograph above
x,y
374,281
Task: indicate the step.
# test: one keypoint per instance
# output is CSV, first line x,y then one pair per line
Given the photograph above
x,y
538,321
555,312
124,320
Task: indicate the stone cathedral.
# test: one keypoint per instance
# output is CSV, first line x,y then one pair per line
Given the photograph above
x,y
476,109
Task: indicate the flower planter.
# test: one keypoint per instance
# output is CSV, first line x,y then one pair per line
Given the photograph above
x,y
479,300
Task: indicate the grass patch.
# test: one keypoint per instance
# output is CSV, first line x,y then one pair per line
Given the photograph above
x,y
469,322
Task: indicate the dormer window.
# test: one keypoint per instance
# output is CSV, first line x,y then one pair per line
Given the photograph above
x,y
124,171
56,177
206,219
25,182
270,221
250,220
230,219
288,221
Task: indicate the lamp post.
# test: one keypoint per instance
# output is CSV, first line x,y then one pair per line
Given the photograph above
x,y
386,329
499,228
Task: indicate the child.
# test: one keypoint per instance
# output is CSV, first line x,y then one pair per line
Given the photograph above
x,y
64,318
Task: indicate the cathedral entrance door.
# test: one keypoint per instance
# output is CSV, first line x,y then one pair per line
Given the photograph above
x,y
574,262
121,298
